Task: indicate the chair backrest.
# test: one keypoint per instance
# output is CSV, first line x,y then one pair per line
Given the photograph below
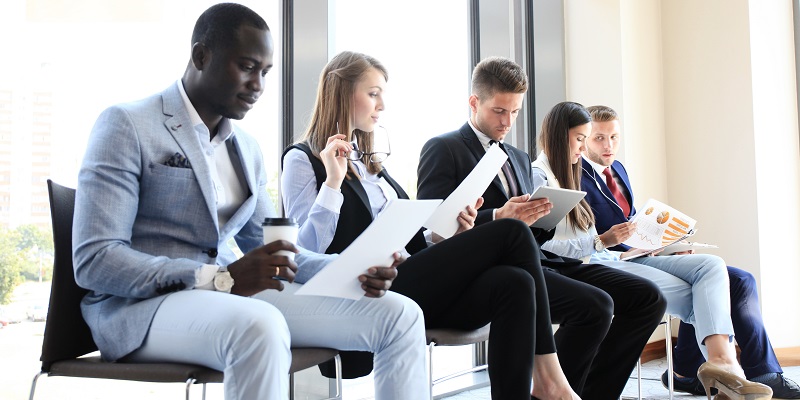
x,y
66,334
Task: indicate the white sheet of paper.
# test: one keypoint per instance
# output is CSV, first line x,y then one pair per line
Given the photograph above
x,y
444,221
389,232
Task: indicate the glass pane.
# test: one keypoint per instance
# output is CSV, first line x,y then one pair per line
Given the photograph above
x,y
424,45
74,59
63,62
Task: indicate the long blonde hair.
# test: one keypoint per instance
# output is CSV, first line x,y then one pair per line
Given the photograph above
x,y
333,107
554,141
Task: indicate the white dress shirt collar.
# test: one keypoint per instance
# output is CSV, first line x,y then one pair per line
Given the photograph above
x,y
225,128
597,167
481,136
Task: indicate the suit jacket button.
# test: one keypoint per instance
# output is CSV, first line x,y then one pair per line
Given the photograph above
x,y
212,253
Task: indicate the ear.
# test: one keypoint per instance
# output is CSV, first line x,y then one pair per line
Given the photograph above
x,y
201,56
473,103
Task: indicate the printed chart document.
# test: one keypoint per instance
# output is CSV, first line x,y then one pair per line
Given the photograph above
x,y
389,232
658,226
685,246
444,221
563,201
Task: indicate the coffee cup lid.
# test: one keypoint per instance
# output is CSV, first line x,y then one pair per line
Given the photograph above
x,y
279,221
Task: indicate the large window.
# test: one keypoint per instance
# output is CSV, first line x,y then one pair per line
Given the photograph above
x,y
63,62
424,45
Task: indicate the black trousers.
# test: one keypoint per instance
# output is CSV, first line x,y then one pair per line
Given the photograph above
x,y
605,318
491,273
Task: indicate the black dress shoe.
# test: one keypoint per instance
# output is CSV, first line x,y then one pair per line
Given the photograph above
x,y
782,388
687,385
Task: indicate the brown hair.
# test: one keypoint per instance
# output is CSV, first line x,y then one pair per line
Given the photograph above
x,y
602,113
554,141
333,106
498,75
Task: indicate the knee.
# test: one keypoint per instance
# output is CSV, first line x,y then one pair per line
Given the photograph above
x,y
514,285
595,308
405,314
259,328
742,282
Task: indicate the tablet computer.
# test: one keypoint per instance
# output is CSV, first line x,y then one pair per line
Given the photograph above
x,y
563,201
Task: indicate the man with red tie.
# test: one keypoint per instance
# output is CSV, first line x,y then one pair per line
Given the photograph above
x,y
609,193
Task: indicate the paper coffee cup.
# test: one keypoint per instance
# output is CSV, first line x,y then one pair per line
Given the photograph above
x,y
281,229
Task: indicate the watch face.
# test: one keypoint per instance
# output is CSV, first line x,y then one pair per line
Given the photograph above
x,y
223,281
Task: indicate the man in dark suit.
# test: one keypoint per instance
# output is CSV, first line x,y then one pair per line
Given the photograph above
x,y
597,353
757,357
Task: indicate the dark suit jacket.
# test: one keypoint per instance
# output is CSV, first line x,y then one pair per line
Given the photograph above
x,y
446,160
607,212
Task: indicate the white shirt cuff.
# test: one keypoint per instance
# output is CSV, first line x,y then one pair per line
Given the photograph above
x,y
330,198
494,214
204,277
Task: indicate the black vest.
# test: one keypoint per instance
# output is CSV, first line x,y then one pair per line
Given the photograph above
x,y
357,213
355,207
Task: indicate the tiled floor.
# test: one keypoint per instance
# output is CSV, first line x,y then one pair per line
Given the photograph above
x,y
448,359
652,389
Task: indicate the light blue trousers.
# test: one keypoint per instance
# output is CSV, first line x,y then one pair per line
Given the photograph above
x,y
250,338
696,288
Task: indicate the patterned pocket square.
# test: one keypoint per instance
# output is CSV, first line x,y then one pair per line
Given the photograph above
x,y
179,161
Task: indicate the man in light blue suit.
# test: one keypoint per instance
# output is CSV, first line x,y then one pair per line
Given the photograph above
x,y
165,183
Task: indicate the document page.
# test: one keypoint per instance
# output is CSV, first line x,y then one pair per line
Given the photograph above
x,y
444,221
659,225
389,232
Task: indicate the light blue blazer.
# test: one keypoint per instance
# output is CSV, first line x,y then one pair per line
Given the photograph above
x,y
142,228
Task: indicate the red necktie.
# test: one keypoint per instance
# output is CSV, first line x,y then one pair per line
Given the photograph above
x,y
612,185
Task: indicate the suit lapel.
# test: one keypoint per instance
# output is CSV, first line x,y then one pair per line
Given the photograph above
x,y
178,124
600,180
518,167
245,210
397,188
476,148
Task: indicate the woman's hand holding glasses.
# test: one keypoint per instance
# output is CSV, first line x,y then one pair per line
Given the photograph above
x,y
334,156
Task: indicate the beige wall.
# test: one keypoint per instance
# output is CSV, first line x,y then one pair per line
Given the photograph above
x,y
709,122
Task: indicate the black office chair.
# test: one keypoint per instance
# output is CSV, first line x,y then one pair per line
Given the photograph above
x,y
67,339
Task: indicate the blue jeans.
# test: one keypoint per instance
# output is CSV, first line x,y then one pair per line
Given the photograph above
x,y
695,286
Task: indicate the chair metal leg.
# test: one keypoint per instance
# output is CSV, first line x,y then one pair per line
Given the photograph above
x,y
479,354
639,377
430,368
33,384
291,386
670,373
335,385
189,384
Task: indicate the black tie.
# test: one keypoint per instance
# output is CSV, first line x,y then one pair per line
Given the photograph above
x,y
513,188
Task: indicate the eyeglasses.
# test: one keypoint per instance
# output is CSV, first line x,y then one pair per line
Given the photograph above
x,y
381,139
378,156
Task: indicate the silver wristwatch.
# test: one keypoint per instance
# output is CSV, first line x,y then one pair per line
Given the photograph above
x,y
223,282
598,244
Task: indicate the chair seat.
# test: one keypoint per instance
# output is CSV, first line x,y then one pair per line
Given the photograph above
x,y
456,337
94,367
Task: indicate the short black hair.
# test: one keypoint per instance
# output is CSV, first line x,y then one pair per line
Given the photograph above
x,y
217,25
